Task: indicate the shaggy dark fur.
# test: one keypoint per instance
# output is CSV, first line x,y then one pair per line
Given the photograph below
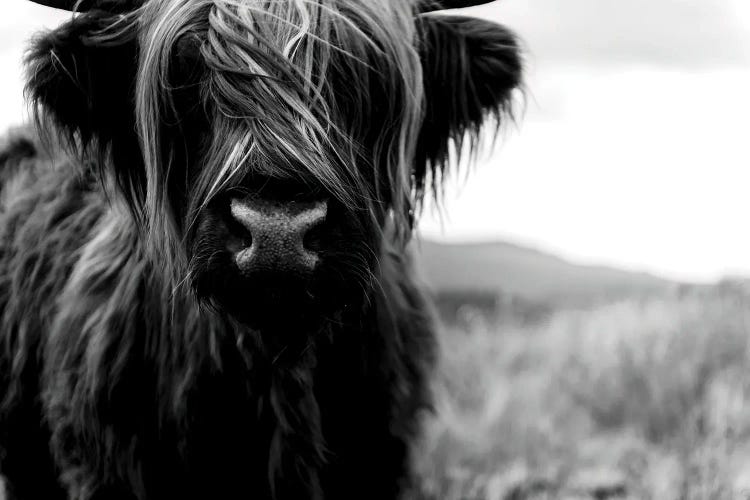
x,y
136,360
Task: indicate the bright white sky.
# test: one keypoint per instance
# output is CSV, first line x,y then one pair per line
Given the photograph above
x,y
633,150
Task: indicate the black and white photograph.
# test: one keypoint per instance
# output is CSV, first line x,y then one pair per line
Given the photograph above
x,y
375,250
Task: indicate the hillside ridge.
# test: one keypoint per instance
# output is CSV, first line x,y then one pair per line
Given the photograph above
x,y
511,269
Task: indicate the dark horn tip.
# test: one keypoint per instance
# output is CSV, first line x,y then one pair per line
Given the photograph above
x,y
71,5
433,5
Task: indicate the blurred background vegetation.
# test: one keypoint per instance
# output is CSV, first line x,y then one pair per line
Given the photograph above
x,y
564,381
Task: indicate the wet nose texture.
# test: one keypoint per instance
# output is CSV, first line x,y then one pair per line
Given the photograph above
x,y
277,234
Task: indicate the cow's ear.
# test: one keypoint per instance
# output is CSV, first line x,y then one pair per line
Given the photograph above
x,y
471,68
80,83
80,80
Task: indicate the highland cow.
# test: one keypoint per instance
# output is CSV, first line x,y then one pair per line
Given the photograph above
x,y
205,290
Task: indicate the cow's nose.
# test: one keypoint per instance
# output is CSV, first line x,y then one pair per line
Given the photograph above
x,y
277,231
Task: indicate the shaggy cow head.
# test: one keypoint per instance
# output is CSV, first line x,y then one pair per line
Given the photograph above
x,y
269,150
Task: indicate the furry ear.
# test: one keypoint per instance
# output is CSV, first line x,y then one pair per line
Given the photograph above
x,y
471,67
80,82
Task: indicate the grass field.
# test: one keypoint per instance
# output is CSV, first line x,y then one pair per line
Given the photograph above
x,y
640,399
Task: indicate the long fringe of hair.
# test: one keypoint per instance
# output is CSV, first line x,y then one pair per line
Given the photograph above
x,y
288,87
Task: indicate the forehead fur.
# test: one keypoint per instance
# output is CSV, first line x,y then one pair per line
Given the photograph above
x,y
309,88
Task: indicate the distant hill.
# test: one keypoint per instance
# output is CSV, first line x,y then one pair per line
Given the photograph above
x,y
511,270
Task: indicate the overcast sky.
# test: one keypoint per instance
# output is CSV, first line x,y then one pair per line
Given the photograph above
x,y
633,150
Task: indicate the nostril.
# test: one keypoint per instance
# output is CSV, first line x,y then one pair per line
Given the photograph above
x,y
313,227
313,239
239,235
246,218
